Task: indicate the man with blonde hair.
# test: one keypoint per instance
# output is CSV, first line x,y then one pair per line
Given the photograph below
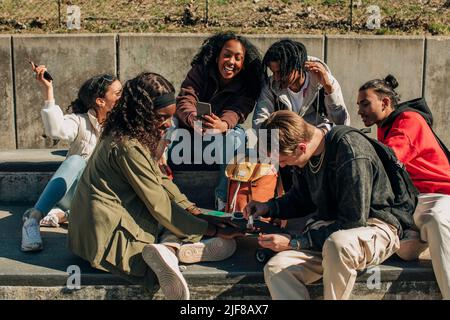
x,y
357,214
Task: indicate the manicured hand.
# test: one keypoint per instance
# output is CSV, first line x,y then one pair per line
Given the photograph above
x,y
256,209
322,73
214,122
275,242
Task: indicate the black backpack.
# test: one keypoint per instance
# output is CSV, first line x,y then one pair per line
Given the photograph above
x,y
420,106
405,201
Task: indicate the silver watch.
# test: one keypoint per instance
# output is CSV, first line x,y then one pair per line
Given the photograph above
x,y
294,244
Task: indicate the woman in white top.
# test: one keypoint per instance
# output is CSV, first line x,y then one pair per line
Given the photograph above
x,y
82,129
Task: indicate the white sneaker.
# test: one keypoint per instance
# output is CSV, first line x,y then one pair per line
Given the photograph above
x,y
31,236
213,249
51,219
165,265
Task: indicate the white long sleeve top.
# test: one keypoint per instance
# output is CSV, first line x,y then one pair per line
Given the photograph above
x,y
81,130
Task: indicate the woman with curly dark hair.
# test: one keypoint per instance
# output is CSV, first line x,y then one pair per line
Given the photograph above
x,y
227,73
125,208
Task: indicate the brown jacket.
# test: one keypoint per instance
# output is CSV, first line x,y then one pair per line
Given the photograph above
x,y
232,103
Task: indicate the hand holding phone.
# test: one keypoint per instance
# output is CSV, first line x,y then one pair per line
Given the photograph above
x,y
203,108
47,75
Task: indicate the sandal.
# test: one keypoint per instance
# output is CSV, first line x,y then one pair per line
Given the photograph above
x,y
52,220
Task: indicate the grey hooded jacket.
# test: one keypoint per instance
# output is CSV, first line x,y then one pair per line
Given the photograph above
x,y
271,96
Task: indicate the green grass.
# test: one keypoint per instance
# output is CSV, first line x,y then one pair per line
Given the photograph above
x,y
242,16
438,29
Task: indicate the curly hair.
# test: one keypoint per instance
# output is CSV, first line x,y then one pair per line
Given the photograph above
x,y
135,117
251,73
291,55
90,90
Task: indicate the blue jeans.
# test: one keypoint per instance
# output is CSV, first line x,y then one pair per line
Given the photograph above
x,y
232,141
222,187
60,190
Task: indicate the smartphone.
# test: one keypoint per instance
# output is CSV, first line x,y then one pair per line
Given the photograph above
x,y
203,108
47,75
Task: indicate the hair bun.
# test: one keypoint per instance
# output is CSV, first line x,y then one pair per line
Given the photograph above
x,y
391,81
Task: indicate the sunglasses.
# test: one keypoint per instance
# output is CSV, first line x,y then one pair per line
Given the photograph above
x,y
100,81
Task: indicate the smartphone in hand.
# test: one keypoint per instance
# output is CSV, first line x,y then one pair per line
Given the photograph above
x,y
203,108
47,75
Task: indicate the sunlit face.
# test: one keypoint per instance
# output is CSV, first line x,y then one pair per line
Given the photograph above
x,y
292,80
371,108
112,95
231,60
165,115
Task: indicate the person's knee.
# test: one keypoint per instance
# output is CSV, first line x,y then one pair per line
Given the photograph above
x,y
272,267
337,248
438,214
75,161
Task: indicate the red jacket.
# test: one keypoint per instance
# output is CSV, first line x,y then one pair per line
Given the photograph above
x,y
415,145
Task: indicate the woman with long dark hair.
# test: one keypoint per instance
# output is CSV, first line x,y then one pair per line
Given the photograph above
x,y
81,128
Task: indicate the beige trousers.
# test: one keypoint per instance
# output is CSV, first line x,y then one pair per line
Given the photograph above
x,y
432,216
343,253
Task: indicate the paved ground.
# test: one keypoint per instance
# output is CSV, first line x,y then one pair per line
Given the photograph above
x,y
233,277
50,265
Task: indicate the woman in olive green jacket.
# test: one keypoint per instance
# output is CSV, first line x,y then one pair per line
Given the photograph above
x,y
124,207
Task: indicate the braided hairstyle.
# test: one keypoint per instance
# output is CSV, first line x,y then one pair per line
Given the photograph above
x,y
90,90
291,55
252,70
384,88
134,117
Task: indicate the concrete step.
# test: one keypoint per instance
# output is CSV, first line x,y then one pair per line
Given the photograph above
x,y
25,173
44,275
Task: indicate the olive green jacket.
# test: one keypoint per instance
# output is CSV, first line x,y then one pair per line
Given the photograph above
x,y
122,188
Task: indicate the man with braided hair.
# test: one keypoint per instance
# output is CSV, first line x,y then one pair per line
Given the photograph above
x,y
302,84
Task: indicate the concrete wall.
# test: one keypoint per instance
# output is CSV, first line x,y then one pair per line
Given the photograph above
x,y
437,86
8,136
420,65
353,61
70,60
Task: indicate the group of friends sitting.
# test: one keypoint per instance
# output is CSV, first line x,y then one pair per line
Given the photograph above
x,y
126,216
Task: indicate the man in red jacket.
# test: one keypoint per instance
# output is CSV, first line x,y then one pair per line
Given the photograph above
x,y
406,128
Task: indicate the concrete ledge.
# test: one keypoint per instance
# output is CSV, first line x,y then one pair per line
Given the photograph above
x,y
24,174
31,160
44,275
